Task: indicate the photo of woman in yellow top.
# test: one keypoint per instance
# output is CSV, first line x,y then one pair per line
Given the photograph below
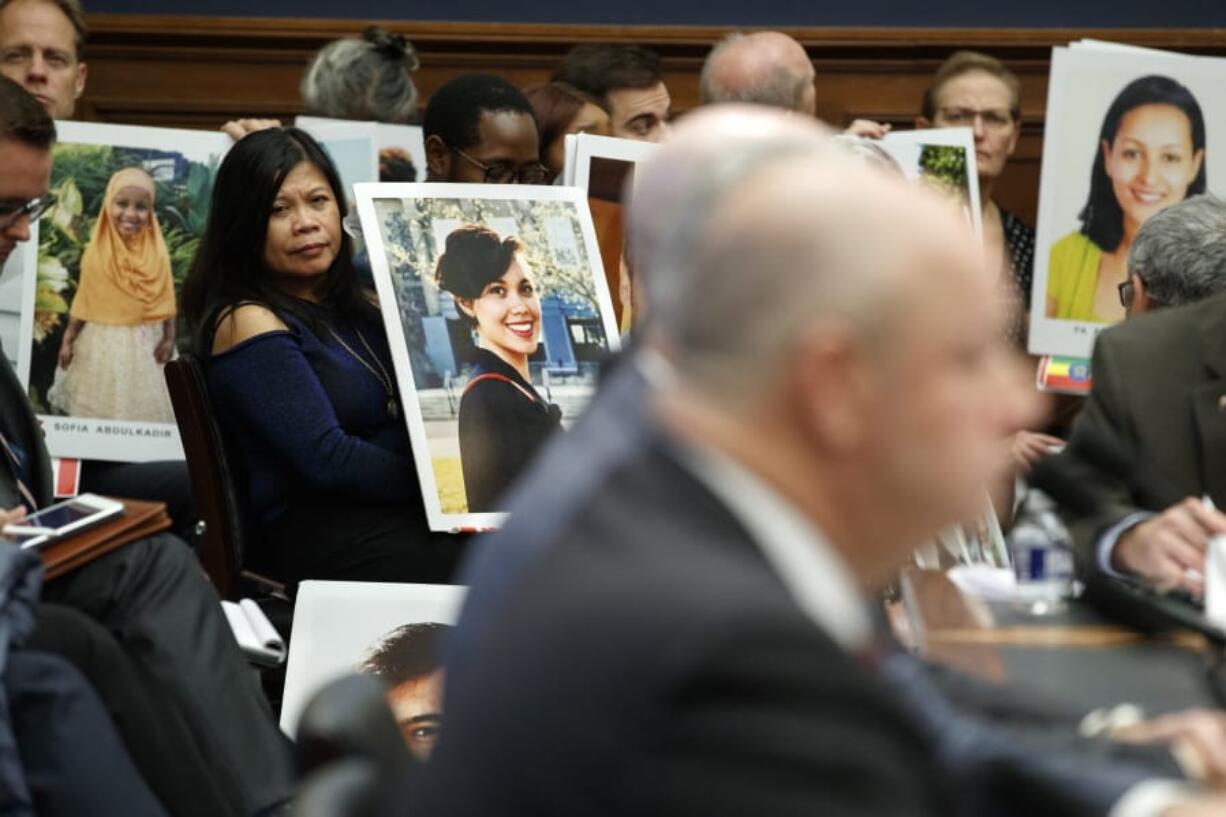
x,y
1150,155
121,328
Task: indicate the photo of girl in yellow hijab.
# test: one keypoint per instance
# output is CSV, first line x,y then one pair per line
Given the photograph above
x,y
121,327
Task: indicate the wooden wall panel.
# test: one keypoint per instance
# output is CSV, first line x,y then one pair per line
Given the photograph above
x,y
199,72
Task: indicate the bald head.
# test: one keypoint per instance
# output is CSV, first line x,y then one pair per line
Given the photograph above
x,y
830,325
784,232
680,173
764,68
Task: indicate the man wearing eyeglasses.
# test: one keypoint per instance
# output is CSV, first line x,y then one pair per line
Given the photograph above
x,y
23,195
1159,394
479,129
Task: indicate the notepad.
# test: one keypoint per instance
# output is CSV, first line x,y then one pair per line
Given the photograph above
x,y
256,636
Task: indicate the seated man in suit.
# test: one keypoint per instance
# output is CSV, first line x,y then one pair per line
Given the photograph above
x,y
1158,400
150,596
479,128
692,562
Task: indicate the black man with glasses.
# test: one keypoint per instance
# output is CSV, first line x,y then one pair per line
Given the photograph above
x,y
480,129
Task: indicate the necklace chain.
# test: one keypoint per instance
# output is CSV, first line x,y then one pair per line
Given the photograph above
x,y
385,379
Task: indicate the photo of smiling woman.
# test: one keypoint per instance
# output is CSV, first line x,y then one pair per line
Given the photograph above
x,y
1150,154
121,327
503,421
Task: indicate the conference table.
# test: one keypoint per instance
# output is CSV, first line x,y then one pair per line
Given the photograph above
x,y
1073,656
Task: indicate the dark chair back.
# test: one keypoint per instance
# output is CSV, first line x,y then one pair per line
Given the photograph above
x,y
226,537
350,755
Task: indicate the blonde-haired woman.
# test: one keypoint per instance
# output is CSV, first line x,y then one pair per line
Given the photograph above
x,y
121,328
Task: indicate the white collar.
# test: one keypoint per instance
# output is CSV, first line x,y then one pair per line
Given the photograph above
x,y
808,565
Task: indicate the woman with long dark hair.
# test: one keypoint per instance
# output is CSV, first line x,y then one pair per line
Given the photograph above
x,y
1150,154
300,373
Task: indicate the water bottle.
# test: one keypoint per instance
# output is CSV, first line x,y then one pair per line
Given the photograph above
x,y
1042,564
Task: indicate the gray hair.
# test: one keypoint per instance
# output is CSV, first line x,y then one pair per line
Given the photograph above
x,y
729,292
1180,253
780,88
366,79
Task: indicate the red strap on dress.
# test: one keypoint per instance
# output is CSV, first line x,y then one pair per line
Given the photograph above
x,y
504,379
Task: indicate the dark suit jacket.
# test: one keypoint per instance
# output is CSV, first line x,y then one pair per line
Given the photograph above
x,y
1159,380
17,420
626,649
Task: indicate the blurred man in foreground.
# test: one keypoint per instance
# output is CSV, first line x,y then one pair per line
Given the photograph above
x,y
809,402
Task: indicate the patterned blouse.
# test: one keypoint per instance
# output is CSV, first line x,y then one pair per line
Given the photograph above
x,y
1019,250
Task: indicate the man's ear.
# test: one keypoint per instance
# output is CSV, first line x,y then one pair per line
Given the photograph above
x,y
1142,302
922,123
438,159
79,84
829,381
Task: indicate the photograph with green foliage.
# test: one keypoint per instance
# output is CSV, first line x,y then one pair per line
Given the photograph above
x,y
80,175
945,167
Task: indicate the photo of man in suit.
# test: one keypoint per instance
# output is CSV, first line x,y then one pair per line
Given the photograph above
x,y
695,559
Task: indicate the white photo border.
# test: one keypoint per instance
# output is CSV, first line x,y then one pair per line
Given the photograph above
x,y
589,146
367,195
948,137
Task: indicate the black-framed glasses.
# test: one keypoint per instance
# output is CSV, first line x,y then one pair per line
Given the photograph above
x,y
535,173
34,209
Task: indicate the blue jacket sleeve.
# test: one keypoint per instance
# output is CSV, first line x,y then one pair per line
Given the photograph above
x,y
267,385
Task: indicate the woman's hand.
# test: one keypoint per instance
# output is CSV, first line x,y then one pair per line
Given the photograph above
x,y
236,129
1030,446
868,129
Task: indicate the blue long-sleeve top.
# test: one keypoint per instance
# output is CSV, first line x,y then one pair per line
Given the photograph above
x,y
310,420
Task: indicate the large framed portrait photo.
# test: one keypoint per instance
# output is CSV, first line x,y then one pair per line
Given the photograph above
x,y
498,316
1129,132
100,282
